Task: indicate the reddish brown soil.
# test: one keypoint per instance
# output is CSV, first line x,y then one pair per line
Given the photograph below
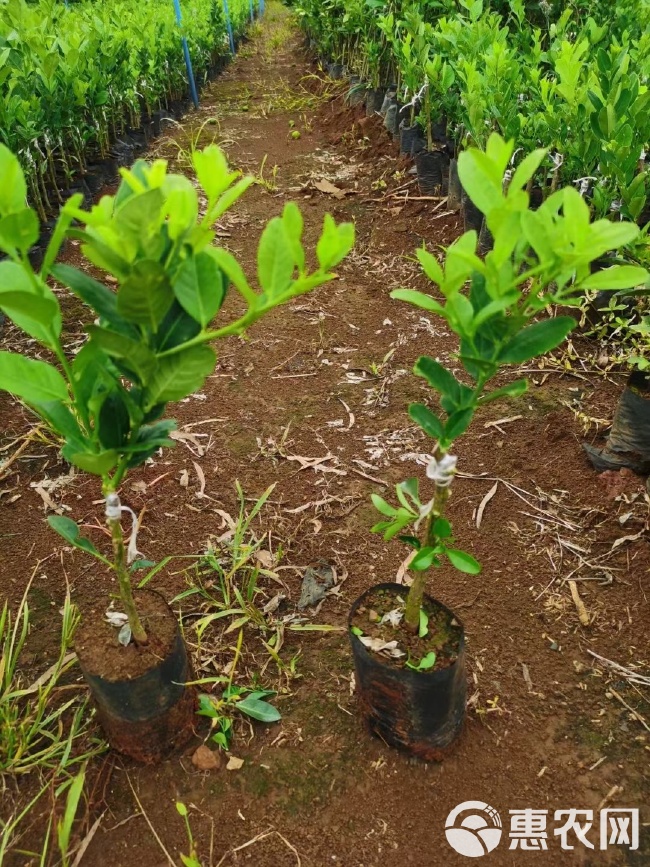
x,y
101,653
319,378
443,634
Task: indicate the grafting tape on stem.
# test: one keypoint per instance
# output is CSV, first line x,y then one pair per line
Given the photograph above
x,y
113,512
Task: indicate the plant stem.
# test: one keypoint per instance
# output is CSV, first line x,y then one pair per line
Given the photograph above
x,y
416,593
124,580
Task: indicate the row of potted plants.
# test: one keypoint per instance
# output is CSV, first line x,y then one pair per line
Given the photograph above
x,y
574,85
75,79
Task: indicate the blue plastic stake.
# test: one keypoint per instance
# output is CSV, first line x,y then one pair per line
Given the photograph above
x,y
252,12
261,8
231,38
188,59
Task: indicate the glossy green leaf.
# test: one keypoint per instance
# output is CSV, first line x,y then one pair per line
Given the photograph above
x,y
259,710
97,464
134,355
68,529
177,376
423,625
113,422
463,561
100,299
13,189
423,560
31,380
19,231
536,339
199,287
430,423
275,261
618,277
145,296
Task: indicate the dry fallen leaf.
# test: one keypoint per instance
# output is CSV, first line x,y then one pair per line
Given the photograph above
x,y
265,559
325,186
201,476
206,759
486,499
234,764
184,479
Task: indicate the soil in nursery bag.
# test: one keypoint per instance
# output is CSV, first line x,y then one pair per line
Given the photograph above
x,y
472,216
374,100
410,139
142,702
431,167
455,190
421,712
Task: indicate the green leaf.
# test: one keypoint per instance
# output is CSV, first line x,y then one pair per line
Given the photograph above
x,y
259,710
199,287
211,167
58,235
145,296
425,663
514,389
382,506
423,626
526,169
458,422
178,375
275,262
423,560
97,464
334,243
355,630
462,561
441,528
206,706
31,380
437,376
19,231
63,422
477,175
536,339
293,225
618,277
418,299
113,422
39,316
68,528
93,293
430,423
430,266
233,270
13,189
135,356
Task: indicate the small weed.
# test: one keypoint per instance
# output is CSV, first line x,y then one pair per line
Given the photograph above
x,y
35,730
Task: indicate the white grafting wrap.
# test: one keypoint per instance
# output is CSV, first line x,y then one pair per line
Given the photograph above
x,y
113,512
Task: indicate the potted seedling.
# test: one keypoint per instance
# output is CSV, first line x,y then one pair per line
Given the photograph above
x,y
408,647
148,345
432,163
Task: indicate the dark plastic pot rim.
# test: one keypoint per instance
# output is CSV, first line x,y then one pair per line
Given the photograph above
x,y
402,589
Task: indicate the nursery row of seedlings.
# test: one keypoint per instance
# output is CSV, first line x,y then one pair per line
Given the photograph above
x,y
84,86
575,85
573,82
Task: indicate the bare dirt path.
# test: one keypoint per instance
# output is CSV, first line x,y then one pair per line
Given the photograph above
x,y
329,378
